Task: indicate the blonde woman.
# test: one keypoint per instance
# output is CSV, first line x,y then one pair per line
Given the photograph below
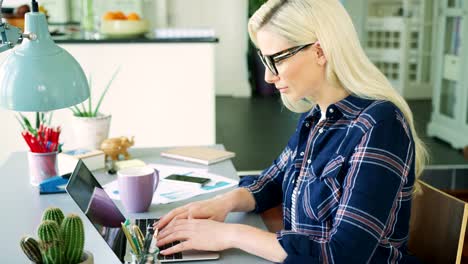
x,y
346,177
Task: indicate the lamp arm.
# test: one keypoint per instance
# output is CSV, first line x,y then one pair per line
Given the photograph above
x,y
11,35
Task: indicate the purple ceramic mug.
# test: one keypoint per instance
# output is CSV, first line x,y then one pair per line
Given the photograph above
x,y
136,187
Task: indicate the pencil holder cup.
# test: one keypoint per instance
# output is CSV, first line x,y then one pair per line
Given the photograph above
x,y
145,258
42,166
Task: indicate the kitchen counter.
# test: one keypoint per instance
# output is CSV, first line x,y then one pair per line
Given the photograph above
x,y
71,34
79,38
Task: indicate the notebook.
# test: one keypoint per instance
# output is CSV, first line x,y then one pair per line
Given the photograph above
x,y
202,155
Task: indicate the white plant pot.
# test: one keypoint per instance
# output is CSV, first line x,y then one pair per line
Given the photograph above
x,y
89,132
87,258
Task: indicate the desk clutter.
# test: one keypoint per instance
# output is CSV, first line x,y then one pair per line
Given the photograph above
x,y
169,191
142,247
67,160
54,185
43,143
41,138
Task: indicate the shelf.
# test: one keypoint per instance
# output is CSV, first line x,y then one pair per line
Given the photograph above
x,y
398,41
451,67
449,118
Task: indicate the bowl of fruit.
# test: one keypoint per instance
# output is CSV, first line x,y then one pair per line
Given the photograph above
x,y
119,25
15,16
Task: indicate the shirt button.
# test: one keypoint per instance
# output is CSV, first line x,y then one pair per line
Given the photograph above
x,y
321,130
299,193
331,110
309,161
302,154
307,124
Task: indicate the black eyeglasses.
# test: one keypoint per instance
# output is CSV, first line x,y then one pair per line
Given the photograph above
x,y
270,60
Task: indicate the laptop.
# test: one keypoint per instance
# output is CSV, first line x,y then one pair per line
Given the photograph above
x,y
106,217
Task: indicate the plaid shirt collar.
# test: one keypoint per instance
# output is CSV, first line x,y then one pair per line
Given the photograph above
x,y
349,107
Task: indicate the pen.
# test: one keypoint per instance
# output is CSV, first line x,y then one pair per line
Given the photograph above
x,y
139,236
148,239
137,246
133,236
129,237
153,247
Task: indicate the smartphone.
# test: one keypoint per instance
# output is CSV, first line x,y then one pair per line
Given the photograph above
x,y
187,179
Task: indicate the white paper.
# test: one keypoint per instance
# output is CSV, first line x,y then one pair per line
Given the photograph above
x,y
173,191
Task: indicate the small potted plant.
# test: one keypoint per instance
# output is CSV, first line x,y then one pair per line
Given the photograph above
x,y
90,126
61,240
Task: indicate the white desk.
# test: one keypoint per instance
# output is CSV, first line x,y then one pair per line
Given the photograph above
x,y
21,209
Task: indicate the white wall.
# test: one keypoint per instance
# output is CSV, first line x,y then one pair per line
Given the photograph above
x,y
155,97
229,19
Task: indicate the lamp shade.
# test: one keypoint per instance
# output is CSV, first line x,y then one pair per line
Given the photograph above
x,y
40,76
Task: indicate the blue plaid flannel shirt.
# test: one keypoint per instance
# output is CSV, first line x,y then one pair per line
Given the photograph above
x,y
355,172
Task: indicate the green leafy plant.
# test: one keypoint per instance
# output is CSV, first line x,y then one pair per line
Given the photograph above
x,y
41,119
61,240
87,110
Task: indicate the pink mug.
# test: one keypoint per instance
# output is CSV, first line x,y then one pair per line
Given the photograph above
x,y
136,187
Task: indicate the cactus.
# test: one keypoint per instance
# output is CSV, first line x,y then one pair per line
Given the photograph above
x,y
51,242
73,236
30,247
61,240
54,214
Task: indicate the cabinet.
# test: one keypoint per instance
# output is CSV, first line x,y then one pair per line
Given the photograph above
x,y
397,39
449,118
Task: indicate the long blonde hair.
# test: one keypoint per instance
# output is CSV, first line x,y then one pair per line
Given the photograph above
x,y
306,21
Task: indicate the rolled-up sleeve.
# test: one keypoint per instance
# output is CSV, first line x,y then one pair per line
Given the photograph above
x,y
376,176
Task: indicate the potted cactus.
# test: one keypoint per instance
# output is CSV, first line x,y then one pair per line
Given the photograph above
x,y
61,240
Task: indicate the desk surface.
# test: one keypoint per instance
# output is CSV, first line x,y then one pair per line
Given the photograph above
x,y
21,209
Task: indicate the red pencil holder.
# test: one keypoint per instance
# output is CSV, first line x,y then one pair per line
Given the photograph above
x,y
42,166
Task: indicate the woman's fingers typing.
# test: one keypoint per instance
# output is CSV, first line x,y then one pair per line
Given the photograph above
x,y
198,234
182,246
169,217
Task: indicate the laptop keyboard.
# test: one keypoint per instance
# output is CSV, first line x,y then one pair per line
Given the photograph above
x,y
172,256
143,224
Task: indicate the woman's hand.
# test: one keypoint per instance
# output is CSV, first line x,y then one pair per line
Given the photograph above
x,y
215,209
197,234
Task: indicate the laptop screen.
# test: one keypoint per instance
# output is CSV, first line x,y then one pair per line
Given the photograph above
x,y
105,216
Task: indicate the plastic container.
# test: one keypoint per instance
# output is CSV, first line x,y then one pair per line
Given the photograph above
x,y
42,166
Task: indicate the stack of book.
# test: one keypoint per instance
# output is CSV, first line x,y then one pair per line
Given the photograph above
x,y
67,160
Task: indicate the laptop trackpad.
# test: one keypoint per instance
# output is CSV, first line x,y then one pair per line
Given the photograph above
x,y
193,255
189,255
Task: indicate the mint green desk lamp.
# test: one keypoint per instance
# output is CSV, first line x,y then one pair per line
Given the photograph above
x,y
38,75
